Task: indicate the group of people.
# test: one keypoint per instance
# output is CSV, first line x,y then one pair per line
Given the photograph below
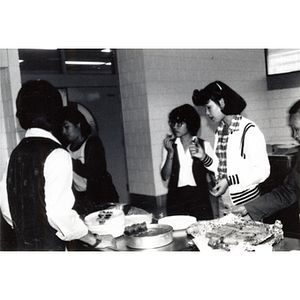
x,y
47,188
238,162
57,174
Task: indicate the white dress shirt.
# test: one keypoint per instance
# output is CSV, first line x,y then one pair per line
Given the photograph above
x,y
186,176
59,197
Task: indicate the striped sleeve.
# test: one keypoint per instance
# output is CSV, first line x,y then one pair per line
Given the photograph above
x,y
207,161
233,179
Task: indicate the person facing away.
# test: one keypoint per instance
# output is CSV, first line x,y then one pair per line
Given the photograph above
x,y
36,195
285,194
186,161
92,183
239,145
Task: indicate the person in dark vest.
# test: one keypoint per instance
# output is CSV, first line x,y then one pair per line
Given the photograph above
x,y
92,183
187,159
36,190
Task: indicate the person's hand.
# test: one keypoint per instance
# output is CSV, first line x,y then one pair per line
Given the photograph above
x,y
168,144
107,242
220,187
196,151
239,210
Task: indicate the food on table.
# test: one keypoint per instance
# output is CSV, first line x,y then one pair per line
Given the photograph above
x,y
135,229
137,215
148,236
231,232
103,216
108,221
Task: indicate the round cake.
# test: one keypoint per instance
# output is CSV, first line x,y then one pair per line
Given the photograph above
x,y
108,221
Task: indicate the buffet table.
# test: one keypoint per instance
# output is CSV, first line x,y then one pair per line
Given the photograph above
x,y
183,242
287,244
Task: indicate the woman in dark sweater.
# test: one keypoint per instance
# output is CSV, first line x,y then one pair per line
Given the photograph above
x,y
92,184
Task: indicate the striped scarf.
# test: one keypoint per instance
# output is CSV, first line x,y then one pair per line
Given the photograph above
x,y
222,144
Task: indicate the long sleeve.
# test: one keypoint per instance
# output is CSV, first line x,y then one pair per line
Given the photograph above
x,y
283,196
59,197
258,167
247,159
100,187
95,162
213,166
4,206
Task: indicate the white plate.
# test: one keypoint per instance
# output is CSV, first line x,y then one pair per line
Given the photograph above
x,y
178,222
115,226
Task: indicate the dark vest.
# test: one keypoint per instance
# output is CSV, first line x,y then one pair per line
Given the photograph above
x,y
26,195
199,172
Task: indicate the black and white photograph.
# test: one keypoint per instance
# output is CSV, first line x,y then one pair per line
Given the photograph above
x,y
151,161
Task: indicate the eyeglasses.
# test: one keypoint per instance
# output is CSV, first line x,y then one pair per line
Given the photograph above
x,y
173,124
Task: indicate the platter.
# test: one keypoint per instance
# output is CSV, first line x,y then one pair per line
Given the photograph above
x,y
133,219
112,218
108,221
180,222
156,235
233,233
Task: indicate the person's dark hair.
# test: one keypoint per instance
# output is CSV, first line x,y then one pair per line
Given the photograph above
x,y
39,104
188,114
217,90
74,116
295,108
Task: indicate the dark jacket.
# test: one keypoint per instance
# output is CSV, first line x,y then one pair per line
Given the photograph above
x,y
281,197
100,187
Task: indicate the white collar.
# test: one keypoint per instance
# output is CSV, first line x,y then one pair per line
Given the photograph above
x,y
39,132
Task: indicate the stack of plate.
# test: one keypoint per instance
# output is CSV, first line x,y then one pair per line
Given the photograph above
x,y
114,225
180,222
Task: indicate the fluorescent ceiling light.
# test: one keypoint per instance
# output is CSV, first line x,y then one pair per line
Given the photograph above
x,y
69,62
105,50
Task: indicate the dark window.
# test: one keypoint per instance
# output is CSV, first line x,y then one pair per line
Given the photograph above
x,y
40,61
67,61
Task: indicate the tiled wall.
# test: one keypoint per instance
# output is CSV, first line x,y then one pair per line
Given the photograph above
x,y
10,83
154,81
136,121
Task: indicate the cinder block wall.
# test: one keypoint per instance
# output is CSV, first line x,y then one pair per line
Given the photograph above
x,y
154,81
10,83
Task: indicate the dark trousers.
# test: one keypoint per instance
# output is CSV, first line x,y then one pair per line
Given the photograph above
x,y
191,201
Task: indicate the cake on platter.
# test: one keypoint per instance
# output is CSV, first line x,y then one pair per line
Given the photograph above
x,y
234,233
137,215
108,221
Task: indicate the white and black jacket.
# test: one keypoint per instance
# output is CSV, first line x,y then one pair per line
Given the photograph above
x,y
247,161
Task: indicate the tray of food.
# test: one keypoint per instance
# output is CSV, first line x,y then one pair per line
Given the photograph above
x,y
112,218
148,236
234,233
